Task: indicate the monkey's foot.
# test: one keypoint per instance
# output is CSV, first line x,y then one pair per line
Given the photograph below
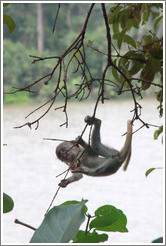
x,y
89,120
63,183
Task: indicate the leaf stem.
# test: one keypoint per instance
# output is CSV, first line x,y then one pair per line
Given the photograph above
x,y
23,224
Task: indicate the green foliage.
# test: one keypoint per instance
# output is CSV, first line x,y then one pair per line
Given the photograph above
x,y
141,56
8,203
60,225
151,170
9,22
17,98
158,240
5,4
142,52
158,132
90,237
109,218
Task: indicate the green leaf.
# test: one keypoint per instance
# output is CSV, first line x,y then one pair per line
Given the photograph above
x,y
9,22
157,21
135,55
60,225
116,27
90,42
121,37
155,63
148,75
124,18
85,209
158,54
158,240
158,132
90,237
5,4
77,53
8,203
129,40
149,171
147,39
135,68
159,95
113,14
109,218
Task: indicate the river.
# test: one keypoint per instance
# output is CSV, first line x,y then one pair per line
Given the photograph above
x,y
30,168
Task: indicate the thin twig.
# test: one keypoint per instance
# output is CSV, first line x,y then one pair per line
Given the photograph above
x,y
26,225
56,18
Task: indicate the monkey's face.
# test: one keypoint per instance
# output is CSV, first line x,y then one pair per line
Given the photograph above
x,y
67,151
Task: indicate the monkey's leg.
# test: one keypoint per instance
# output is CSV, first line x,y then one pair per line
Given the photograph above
x,y
73,178
107,166
96,144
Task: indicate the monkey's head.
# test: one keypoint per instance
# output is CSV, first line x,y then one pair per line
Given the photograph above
x,y
67,151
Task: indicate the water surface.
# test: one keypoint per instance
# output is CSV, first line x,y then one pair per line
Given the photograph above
x,y
30,167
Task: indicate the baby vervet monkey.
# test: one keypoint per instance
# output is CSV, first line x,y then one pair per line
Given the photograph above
x,y
95,159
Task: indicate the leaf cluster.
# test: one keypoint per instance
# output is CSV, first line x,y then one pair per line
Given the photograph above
x,y
61,224
145,56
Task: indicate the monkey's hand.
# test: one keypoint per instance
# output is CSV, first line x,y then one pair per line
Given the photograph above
x,y
89,120
63,183
79,140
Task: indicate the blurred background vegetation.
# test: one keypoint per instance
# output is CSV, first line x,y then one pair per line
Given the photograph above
x,y
33,36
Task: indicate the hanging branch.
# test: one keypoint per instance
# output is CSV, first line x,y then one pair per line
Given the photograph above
x,y
56,17
76,52
76,45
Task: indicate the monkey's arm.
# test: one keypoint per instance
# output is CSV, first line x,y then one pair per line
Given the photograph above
x,y
73,178
81,142
86,146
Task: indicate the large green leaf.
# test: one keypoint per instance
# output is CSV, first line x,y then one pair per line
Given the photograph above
x,y
8,203
90,237
109,218
60,225
85,209
9,22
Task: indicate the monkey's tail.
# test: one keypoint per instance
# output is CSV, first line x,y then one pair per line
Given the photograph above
x,y
125,153
127,161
